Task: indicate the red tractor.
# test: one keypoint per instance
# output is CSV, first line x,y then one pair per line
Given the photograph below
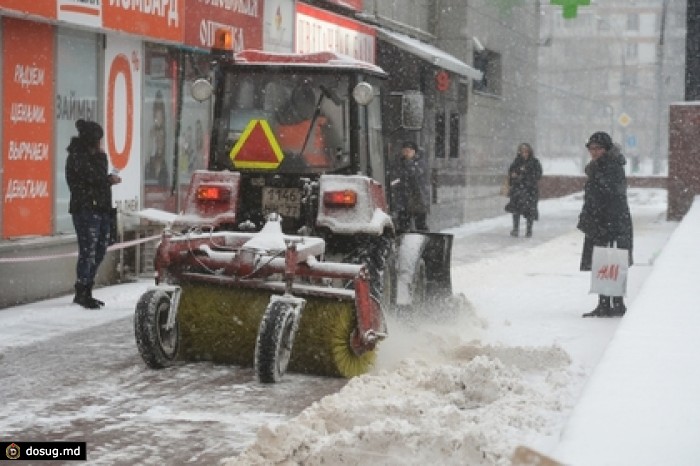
x,y
285,255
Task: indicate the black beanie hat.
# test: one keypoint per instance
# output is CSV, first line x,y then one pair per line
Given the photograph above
x,y
89,130
410,144
601,138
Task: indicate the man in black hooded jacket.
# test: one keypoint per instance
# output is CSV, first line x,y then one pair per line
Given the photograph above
x,y
605,217
90,206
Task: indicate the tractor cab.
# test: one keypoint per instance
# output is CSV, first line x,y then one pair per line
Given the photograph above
x,y
283,120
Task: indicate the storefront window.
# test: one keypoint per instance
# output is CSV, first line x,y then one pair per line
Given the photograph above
x,y
172,151
158,127
77,55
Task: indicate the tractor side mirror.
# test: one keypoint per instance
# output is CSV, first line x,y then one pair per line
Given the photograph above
x,y
412,104
201,90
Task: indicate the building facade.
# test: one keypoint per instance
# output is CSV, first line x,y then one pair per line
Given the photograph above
x,y
129,65
616,67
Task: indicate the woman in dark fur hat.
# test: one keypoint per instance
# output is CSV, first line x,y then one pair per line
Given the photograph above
x,y
605,217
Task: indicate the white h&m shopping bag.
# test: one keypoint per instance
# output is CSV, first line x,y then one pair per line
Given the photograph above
x,y
609,271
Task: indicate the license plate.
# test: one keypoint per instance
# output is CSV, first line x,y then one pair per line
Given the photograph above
x,y
284,201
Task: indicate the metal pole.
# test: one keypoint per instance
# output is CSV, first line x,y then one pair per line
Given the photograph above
x,y
623,95
623,84
656,155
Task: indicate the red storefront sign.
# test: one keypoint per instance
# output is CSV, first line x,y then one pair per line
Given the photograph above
x,y
244,19
43,8
27,146
163,20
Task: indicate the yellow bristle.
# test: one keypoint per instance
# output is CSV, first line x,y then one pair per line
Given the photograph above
x,y
220,324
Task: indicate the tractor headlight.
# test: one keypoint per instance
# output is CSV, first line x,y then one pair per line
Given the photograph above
x,y
363,93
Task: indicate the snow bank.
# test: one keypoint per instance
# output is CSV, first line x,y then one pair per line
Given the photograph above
x,y
640,406
463,411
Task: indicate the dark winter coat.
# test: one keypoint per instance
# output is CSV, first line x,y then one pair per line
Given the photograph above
x,y
524,175
605,217
87,177
411,185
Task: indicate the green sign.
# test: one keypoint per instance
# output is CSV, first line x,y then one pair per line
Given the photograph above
x,y
570,7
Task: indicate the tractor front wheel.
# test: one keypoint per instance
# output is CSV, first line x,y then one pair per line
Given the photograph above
x,y
273,347
157,344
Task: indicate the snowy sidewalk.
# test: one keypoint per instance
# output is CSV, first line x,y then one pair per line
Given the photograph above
x,y
640,406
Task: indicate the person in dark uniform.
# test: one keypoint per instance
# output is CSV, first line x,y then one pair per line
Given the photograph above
x,y
410,185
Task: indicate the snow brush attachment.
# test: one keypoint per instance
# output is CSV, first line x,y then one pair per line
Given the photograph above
x,y
221,324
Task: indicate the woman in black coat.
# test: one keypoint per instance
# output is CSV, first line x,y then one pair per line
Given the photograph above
x,y
523,176
90,206
605,217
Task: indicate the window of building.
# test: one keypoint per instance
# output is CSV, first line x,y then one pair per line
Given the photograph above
x,y
454,135
632,50
440,135
633,22
489,63
76,98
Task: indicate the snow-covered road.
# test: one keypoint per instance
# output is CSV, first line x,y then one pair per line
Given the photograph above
x,y
505,372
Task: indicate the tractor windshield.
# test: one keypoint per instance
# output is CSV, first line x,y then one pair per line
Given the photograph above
x,y
298,120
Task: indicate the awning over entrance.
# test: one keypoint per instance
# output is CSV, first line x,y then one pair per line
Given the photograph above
x,y
429,53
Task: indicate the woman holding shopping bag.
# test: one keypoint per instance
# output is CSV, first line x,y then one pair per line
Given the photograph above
x,y
605,217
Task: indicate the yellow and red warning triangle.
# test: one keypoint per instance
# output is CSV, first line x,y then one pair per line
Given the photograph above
x,y
257,147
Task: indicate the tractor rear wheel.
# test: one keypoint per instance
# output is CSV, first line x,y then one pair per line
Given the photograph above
x,y
273,347
157,344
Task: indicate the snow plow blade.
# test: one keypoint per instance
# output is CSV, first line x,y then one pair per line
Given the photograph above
x,y
437,255
423,274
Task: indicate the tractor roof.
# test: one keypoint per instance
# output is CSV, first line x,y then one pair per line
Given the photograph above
x,y
318,60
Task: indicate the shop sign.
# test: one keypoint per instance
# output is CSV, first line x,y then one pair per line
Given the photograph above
x,y
27,148
243,18
278,26
123,65
442,80
162,19
320,30
82,12
43,8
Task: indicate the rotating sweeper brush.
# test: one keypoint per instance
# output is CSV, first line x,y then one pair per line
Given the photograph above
x,y
260,299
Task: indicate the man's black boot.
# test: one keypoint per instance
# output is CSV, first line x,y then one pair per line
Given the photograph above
x,y
602,309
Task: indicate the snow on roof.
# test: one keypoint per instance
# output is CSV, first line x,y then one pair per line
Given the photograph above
x,y
326,59
430,53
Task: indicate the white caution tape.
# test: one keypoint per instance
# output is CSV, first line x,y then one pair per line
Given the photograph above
x,y
114,247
